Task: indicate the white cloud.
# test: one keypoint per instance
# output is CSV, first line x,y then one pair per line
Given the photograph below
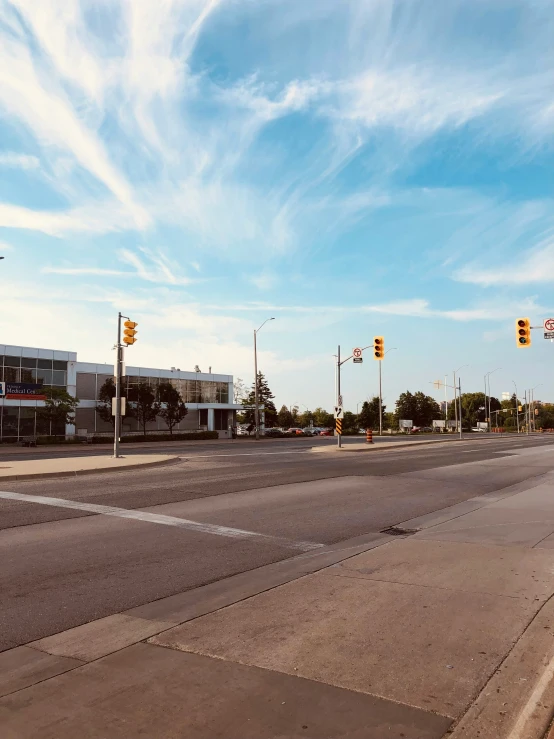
x,y
4,246
95,218
18,161
97,271
533,266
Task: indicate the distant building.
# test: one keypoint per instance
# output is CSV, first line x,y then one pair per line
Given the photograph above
x,y
25,370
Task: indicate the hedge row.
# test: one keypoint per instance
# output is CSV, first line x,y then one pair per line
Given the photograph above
x,y
191,436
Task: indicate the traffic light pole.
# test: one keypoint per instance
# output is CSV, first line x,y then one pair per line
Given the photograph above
x,y
117,421
339,436
380,402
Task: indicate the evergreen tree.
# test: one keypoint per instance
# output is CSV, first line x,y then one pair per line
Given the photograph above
x,y
172,410
265,398
284,418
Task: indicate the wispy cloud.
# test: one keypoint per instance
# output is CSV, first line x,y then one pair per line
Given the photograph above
x,y
533,266
149,265
18,161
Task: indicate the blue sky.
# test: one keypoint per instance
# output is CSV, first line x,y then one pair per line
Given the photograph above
x,y
352,168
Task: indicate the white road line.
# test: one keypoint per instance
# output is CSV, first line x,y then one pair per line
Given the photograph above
x,y
183,523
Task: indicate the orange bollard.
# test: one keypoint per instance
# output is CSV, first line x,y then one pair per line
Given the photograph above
x,y
369,436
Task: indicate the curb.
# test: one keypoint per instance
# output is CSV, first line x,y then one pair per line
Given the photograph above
x,y
97,471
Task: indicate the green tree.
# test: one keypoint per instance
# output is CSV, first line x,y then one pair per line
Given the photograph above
x,y
369,416
59,410
304,419
265,398
104,405
284,418
323,418
420,408
172,409
144,406
350,423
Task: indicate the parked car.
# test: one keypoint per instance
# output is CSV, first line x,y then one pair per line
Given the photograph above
x,y
427,429
295,431
273,433
480,430
326,432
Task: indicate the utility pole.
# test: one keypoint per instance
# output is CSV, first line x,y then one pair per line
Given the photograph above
x,y
117,421
455,403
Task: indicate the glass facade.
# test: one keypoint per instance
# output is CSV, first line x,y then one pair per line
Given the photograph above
x,y
35,371
17,422
192,391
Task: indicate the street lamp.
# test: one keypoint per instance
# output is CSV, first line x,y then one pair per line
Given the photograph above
x,y
381,391
257,409
487,377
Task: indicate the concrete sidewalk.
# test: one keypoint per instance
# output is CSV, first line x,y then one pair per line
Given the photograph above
x,y
445,627
69,466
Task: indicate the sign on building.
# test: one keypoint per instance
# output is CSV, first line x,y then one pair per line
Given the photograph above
x,y
2,389
23,391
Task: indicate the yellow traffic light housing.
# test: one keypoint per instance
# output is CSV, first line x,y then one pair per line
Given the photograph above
x,y
378,347
129,332
523,332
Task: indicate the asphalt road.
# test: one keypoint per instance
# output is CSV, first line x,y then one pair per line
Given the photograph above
x,y
227,512
10,452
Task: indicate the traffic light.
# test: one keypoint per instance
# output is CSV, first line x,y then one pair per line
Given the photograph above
x,y
523,332
378,347
129,332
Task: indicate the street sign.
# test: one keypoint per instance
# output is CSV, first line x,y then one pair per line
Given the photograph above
x,y
356,352
340,400
339,413
2,389
358,360
549,324
549,334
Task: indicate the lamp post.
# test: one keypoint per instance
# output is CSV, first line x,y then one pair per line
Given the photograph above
x,y
256,408
381,391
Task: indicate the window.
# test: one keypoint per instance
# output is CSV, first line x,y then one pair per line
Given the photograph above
x,y
26,421
29,362
44,364
59,378
43,376
58,365
11,374
12,361
222,392
26,375
10,417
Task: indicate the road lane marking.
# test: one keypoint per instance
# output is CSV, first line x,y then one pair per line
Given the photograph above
x,y
183,523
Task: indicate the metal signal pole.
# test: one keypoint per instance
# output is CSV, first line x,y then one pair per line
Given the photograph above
x,y
117,422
